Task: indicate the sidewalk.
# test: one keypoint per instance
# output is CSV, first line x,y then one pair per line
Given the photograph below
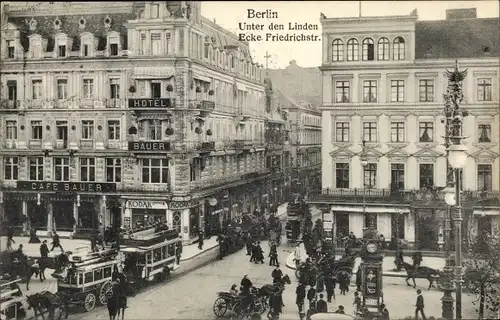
x,y
387,264
33,249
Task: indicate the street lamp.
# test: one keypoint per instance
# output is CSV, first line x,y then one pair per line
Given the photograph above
x,y
364,163
456,158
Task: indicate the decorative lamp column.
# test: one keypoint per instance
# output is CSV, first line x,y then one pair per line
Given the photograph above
x,y
457,158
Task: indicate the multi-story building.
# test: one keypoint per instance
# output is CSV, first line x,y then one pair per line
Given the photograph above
x,y
297,92
383,83
128,113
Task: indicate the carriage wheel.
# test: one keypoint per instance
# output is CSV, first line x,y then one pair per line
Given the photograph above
x,y
343,269
89,302
261,306
297,273
220,307
106,289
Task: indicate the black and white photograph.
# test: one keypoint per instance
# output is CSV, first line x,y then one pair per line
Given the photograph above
x,y
249,160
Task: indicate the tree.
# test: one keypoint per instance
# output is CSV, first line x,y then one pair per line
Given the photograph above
x,y
482,272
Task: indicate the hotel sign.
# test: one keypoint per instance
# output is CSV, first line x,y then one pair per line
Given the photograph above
x,y
58,186
146,146
159,103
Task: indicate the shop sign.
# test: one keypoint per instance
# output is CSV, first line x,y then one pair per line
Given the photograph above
x,y
146,146
57,186
150,103
181,204
371,282
146,204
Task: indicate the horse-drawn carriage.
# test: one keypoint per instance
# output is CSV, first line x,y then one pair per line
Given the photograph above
x,y
11,300
331,265
86,278
150,255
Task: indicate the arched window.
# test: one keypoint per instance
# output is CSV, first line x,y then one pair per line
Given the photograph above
x,y
399,49
352,50
337,50
368,50
383,49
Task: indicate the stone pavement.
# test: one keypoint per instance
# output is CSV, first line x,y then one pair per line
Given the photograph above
x,y
33,249
387,264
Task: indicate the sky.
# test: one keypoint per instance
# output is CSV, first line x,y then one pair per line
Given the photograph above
x,y
308,53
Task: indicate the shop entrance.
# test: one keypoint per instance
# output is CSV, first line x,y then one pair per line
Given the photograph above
x,y
342,224
62,212
37,214
148,217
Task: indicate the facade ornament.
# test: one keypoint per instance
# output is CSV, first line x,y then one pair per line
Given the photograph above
x,y
57,24
82,23
107,22
32,24
166,12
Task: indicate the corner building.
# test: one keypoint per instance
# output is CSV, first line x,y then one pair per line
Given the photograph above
x,y
127,113
383,83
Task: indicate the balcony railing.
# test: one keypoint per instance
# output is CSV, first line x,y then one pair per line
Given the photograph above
x,y
239,144
195,185
206,146
404,196
86,144
9,104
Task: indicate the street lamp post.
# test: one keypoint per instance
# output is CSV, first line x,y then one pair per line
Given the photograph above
x,y
457,158
364,163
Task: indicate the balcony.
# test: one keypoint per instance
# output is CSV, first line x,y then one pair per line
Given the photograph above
x,y
206,146
404,197
61,144
86,144
272,145
205,107
116,103
9,104
35,144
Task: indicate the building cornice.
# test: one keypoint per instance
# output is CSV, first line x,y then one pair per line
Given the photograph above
x,y
27,9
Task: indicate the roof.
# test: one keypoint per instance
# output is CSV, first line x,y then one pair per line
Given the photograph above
x,y
70,26
224,37
452,39
300,86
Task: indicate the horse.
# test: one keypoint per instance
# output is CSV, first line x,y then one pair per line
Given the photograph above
x,y
36,268
117,301
48,301
269,289
420,273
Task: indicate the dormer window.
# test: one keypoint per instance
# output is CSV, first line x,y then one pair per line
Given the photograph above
x,y
88,44
113,49
85,50
11,49
61,51
155,11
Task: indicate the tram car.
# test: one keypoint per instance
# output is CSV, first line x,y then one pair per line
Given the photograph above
x,y
11,300
150,255
87,279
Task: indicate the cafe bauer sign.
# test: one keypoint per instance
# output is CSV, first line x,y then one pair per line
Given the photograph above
x,y
146,146
58,186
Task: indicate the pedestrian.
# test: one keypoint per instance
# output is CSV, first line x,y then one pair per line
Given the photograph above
x,y
300,293
178,251
273,255
56,242
248,243
222,246
356,303
260,254
277,274
253,254
275,306
10,240
44,250
33,236
321,305
330,288
384,313
201,238
420,305
20,250
358,279
343,286
246,285
311,296
340,310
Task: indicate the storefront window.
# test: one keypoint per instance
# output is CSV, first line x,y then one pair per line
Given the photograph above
x,y
37,215
88,215
13,212
148,217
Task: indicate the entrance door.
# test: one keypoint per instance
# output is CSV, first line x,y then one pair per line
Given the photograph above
x,y
397,227
116,216
341,224
62,211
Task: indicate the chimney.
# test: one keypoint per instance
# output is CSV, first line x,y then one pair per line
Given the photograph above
x,y
459,14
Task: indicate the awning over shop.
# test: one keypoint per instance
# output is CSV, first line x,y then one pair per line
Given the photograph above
x,y
370,209
202,78
153,73
487,212
241,86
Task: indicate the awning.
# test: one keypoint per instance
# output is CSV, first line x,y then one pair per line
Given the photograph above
x,y
153,73
241,86
486,212
370,209
154,117
202,78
